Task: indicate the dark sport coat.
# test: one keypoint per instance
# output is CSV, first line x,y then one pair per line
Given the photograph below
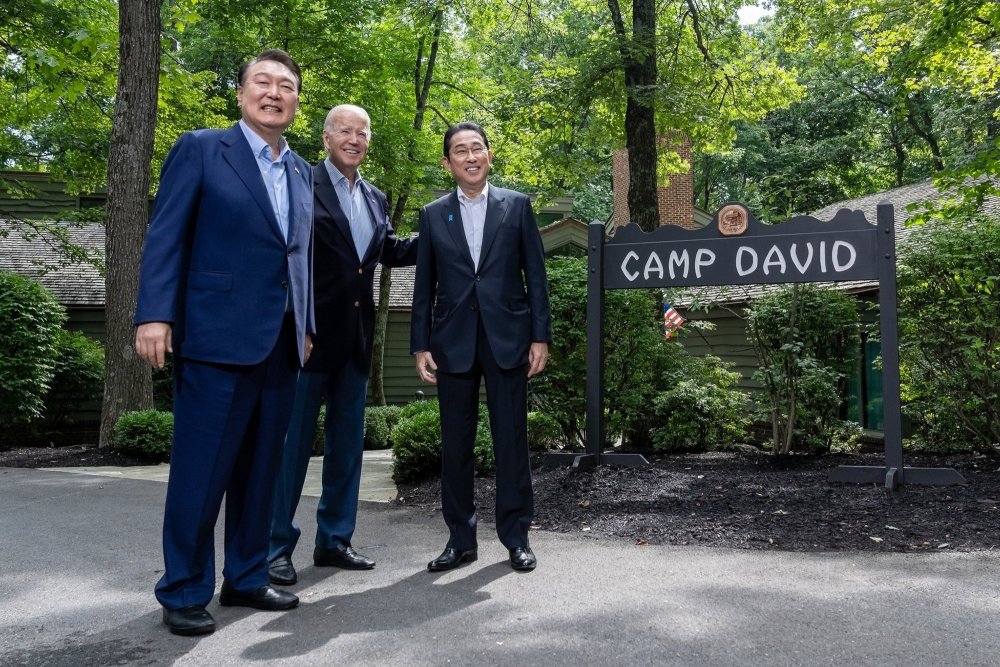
x,y
345,303
509,290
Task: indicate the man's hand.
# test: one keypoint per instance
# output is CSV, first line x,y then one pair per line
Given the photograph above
x,y
152,342
426,367
308,347
537,356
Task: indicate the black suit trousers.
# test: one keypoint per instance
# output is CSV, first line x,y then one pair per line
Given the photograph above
x,y
507,402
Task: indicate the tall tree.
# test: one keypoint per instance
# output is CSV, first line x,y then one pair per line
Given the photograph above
x,y
127,380
423,76
638,54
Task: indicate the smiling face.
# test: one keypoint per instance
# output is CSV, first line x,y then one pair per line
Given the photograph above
x,y
469,161
268,97
346,135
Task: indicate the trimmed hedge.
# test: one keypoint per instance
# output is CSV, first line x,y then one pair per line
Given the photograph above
x,y
147,433
416,443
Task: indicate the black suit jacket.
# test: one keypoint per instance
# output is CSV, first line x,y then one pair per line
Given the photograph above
x,y
509,289
344,300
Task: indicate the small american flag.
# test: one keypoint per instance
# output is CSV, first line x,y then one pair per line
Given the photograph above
x,y
672,320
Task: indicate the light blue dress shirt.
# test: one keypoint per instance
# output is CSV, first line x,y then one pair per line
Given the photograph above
x,y
273,173
352,203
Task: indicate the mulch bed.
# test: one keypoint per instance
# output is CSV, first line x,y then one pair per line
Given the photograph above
x,y
750,500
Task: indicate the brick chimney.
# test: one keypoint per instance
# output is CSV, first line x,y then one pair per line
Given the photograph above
x,y
676,200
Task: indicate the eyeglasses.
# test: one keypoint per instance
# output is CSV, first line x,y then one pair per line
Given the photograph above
x,y
344,132
462,153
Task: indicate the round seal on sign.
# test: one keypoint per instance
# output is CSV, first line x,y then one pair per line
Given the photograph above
x,y
732,220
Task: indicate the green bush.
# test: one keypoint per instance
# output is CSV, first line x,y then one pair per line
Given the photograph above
x,y
78,380
633,342
147,433
701,409
319,440
544,432
30,321
379,420
949,334
416,443
807,340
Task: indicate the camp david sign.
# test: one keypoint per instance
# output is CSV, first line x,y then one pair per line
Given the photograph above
x,y
737,249
800,250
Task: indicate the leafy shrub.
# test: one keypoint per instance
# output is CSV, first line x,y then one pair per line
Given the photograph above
x,y
633,341
146,433
544,432
700,409
78,379
949,334
379,420
30,320
416,443
319,440
807,340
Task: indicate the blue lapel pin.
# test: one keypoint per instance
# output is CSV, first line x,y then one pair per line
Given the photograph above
x,y
450,217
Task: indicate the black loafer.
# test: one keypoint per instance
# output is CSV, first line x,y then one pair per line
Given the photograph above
x,y
523,559
189,621
451,558
342,556
264,598
281,571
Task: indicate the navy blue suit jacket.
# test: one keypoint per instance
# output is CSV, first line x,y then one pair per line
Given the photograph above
x,y
345,303
509,289
215,264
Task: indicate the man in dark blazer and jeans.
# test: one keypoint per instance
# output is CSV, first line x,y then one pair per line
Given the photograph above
x,y
352,235
481,311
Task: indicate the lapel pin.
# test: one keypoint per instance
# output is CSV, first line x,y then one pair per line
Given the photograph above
x,y
450,217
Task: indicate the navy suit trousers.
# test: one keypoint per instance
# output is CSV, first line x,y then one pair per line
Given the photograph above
x,y
507,402
229,426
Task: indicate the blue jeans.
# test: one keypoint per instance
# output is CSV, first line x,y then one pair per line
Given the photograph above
x,y
336,516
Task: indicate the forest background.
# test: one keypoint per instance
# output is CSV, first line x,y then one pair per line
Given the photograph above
x,y
817,102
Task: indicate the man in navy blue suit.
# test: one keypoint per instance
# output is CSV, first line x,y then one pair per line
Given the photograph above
x,y
481,312
352,235
226,287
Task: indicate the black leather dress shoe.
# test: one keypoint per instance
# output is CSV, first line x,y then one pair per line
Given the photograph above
x,y
281,571
451,558
523,559
342,556
264,598
189,621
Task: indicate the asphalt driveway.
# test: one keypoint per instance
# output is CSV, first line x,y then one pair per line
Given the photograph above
x,y
79,555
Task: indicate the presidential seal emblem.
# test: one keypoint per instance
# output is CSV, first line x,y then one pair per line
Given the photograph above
x,y
732,220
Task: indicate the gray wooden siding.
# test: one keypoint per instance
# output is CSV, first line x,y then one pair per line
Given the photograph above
x,y
728,341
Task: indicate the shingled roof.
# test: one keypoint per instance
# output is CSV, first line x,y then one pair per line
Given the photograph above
x,y
901,198
78,284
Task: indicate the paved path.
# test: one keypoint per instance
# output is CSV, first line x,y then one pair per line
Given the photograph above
x,y
376,475
79,554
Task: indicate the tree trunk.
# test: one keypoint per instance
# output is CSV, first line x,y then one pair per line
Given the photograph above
x,y
639,61
127,380
378,339
422,76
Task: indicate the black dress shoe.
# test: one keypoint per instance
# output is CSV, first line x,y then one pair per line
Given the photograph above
x,y
451,558
188,621
522,559
264,598
281,571
343,556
